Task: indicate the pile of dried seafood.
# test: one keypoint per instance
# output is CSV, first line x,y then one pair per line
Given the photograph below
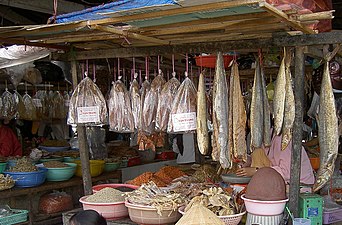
x,y
150,194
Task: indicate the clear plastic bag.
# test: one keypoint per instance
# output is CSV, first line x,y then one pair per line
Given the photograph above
x,y
30,108
120,112
96,137
135,101
151,104
55,202
165,102
33,76
184,104
9,106
58,106
66,103
87,98
37,100
20,105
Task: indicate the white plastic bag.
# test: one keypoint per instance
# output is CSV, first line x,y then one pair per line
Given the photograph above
x,y
135,101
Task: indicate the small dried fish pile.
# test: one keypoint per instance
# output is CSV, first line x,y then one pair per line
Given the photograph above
x,y
23,165
202,126
237,118
217,200
6,182
87,100
165,100
183,110
327,131
150,104
260,111
151,195
145,178
120,111
106,195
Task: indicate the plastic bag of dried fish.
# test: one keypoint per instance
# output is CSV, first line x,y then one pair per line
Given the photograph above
x,y
87,105
20,105
30,109
165,102
58,103
150,105
37,100
120,111
135,101
183,111
9,106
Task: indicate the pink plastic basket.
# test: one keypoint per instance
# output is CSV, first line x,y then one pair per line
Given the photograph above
x,y
332,216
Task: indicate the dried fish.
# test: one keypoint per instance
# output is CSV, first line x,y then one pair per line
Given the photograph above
x,y
135,101
266,111
279,97
220,116
327,131
202,126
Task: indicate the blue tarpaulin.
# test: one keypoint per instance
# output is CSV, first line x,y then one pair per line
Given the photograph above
x,y
96,13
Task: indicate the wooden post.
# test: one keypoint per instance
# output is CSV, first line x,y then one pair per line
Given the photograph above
x,y
297,131
82,141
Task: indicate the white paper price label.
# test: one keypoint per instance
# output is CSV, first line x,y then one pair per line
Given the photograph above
x,y
37,102
184,121
89,114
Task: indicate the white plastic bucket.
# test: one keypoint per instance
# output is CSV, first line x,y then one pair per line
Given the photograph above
x,y
301,221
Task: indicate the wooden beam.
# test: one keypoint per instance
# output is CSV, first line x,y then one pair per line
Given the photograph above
x,y
296,152
130,34
326,15
283,16
37,44
9,14
82,38
44,6
172,12
333,37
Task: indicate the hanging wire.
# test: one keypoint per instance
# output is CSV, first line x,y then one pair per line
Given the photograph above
x,y
140,80
133,65
158,63
87,65
114,71
119,68
94,71
83,70
187,62
146,68
173,63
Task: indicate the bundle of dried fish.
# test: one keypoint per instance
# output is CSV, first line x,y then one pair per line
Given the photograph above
x,y
87,105
165,100
220,116
58,103
183,109
215,199
202,126
120,112
237,117
135,101
151,195
145,88
30,108
151,104
327,131
20,105
37,100
9,106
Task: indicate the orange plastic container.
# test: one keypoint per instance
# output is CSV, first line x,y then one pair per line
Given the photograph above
x,y
209,61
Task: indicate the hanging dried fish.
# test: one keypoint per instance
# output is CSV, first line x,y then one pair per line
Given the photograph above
x,y
327,131
202,126
220,116
30,109
165,100
135,101
9,107
266,111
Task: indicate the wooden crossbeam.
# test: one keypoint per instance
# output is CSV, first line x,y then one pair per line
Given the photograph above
x,y
129,34
82,38
283,16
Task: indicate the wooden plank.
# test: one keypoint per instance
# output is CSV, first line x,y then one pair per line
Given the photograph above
x,y
130,34
37,44
172,12
278,13
246,16
333,37
326,15
297,131
44,6
82,39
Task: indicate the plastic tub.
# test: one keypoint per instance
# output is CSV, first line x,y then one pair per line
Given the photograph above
x,y
29,179
228,220
109,211
96,168
70,159
301,221
60,159
109,167
148,215
97,188
2,166
61,174
209,61
264,208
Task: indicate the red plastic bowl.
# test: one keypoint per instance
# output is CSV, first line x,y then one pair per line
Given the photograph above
x,y
99,187
209,61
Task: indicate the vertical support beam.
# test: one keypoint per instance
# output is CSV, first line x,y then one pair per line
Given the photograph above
x,y
297,130
82,141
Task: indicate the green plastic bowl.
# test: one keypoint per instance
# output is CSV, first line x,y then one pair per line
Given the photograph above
x,y
70,159
61,174
60,159
109,167
3,166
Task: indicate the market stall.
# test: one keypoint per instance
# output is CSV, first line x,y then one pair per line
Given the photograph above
x,y
138,35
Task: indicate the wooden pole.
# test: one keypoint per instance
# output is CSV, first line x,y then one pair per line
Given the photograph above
x,y
297,131
82,141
